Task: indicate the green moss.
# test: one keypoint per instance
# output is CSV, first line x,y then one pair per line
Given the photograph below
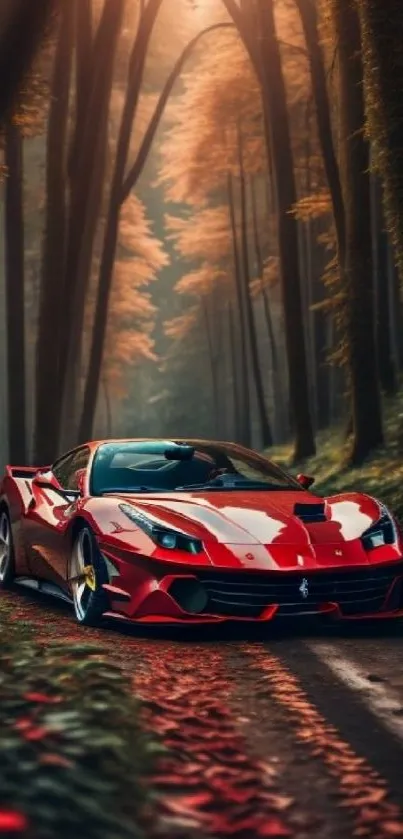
x,y
382,474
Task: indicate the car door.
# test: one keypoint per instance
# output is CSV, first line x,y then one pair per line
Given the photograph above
x,y
49,517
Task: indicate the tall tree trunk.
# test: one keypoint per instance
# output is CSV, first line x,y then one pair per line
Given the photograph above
x,y
274,365
15,297
282,157
51,308
265,430
245,418
387,372
357,271
309,19
108,407
322,348
382,36
86,193
84,75
215,385
22,26
258,33
396,309
237,386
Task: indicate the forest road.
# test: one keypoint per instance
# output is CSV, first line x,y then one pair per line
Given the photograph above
x,y
298,733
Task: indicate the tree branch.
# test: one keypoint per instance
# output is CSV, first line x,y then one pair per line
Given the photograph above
x,y
240,21
137,168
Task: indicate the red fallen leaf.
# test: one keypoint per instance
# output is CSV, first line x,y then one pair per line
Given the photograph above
x,y
273,827
279,802
393,828
36,733
373,796
23,724
41,697
12,822
187,804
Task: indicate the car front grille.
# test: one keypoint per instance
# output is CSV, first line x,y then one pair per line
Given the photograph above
x,y
247,594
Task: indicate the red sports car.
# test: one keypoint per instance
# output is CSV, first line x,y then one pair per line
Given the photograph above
x,y
192,531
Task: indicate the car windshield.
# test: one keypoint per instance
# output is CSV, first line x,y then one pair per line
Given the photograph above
x,y
169,466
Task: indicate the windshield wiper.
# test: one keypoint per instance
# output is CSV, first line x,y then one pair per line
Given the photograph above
x,y
233,483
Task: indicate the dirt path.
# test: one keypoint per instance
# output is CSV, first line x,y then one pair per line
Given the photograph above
x,y
295,736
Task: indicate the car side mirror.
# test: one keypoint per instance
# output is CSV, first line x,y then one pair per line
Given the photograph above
x,y
306,481
45,481
48,481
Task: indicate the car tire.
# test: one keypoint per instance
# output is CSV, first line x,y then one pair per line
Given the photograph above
x,y
87,574
7,558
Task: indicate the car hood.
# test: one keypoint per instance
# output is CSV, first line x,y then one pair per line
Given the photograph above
x,y
264,530
260,518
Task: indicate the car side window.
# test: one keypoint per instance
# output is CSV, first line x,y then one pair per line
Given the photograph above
x,y
65,470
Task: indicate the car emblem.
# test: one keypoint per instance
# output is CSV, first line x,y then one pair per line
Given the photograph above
x,y
338,553
304,588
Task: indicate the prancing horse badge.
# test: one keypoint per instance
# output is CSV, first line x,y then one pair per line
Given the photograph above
x,y
304,588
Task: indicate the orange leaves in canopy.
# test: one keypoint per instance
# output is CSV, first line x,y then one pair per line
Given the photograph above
x,y
179,328
204,235
201,146
132,313
200,283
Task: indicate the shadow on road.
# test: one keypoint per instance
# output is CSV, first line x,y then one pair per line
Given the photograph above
x,y
277,631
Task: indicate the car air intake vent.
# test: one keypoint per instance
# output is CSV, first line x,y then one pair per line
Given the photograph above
x,y
310,512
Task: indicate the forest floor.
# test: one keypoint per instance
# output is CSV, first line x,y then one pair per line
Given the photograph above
x,y
381,475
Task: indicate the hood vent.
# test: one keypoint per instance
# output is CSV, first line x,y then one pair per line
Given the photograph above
x,y
310,513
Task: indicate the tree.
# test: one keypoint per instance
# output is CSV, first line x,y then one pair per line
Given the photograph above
x,y
258,31
15,297
382,34
357,274
22,25
52,300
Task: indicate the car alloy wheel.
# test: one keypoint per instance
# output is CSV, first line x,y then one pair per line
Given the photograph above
x,y
87,574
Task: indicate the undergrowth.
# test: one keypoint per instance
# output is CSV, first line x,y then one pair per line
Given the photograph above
x,y
382,474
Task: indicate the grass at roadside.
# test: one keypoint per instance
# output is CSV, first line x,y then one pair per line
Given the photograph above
x,y
380,476
74,759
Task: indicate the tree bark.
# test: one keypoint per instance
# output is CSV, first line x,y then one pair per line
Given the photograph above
x,y
238,405
357,272
22,25
245,432
309,19
387,372
86,191
15,296
382,36
51,300
275,382
265,430
281,153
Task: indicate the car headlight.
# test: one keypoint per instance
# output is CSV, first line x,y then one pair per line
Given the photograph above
x,y
382,532
163,537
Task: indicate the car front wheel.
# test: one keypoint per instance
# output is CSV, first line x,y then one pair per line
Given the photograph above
x,y
87,574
